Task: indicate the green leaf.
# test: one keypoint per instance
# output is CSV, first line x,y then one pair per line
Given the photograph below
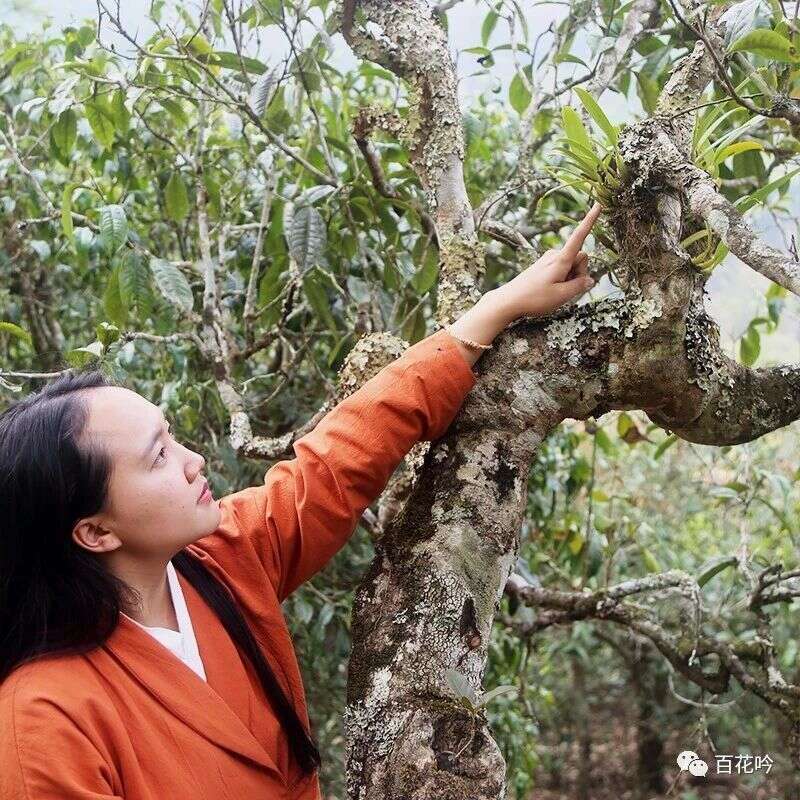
x,y
271,284
106,333
760,195
113,227
66,211
518,94
665,445
750,346
574,129
101,122
766,43
650,561
115,309
413,329
197,43
175,110
176,198
597,114
426,276
261,92
461,686
307,237
64,133
172,284
15,330
81,356
214,196
487,697
735,149
604,442
121,115
569,58
714,567
232,61
489,23
134,283
317,297
586,154
624,423
649,92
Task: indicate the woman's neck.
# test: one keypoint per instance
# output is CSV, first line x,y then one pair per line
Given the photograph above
x,y
150,582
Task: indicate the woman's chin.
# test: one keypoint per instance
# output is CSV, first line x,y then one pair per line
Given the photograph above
x,y
212,516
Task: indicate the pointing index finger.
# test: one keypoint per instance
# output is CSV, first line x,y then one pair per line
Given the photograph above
x,y
576,239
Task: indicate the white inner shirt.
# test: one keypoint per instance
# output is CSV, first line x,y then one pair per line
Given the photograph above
x,y
181,642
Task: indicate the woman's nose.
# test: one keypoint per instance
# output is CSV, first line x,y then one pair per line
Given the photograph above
x,y
195,464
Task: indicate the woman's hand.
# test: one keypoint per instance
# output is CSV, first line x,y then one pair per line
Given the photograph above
x,y
554,279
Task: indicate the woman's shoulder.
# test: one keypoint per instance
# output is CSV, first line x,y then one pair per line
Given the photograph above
x,y
53,718
54,682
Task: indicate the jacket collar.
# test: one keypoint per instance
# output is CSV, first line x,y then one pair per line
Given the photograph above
x,y
184,693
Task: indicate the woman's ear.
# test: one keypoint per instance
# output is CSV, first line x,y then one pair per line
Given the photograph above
x,y
90,534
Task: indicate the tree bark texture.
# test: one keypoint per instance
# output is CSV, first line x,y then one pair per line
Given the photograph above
x,y
428,602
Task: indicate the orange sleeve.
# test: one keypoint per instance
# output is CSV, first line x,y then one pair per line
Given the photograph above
x,y
45,755
309,506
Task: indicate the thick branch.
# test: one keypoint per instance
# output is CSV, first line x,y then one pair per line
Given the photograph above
x,y
726,221
406,38
731,403
607,604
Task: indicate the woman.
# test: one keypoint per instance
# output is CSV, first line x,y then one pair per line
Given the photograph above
x,y
143,652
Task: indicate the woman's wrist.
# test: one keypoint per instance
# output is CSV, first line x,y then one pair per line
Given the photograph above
x,y
481,323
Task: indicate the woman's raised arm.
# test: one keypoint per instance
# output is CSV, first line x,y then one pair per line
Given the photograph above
x,y
308,506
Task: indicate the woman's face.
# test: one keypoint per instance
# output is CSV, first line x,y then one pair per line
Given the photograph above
x,y
152,509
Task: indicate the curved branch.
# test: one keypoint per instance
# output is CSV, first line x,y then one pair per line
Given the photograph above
x,y
741,404
729,224
564,607
713,399
407,39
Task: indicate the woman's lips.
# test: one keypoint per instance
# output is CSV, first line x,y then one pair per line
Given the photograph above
x,y
205,496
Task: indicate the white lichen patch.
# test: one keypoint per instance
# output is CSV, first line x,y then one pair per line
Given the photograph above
x,y
381,680
718,221
626,315
643,313
530,398
520,346
401,617
440,453
484,457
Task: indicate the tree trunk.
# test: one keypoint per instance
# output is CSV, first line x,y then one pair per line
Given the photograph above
x,y
582,728
650,684
428,602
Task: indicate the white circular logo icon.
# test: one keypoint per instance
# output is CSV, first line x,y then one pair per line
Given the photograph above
x,y
690,762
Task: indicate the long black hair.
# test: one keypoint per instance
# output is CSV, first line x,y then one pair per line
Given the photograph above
x,y
55,596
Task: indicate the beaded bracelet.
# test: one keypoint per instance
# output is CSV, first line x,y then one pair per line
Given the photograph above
x,y
468,342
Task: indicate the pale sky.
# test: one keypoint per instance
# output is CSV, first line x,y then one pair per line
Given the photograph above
x,y
736,293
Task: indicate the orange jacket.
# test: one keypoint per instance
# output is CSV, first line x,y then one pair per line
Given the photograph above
x,y
129,719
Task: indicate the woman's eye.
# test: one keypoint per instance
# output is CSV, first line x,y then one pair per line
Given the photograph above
x,y
161,453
